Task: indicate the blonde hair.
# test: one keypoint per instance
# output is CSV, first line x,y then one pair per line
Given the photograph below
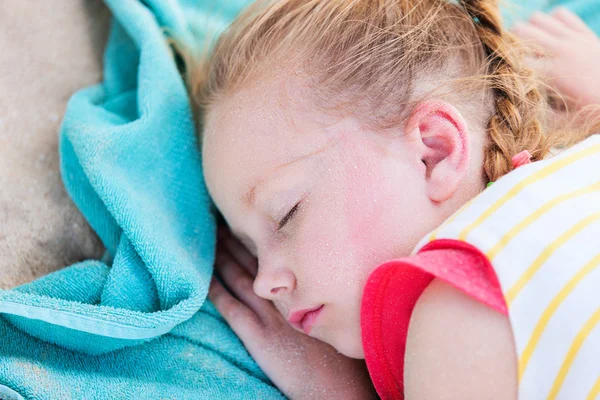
x,y
371,57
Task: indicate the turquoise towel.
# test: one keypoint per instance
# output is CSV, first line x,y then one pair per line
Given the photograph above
x,y
515,10
136,324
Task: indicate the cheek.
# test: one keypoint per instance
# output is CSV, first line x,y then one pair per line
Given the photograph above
x,y
364,204
365,198
350,233
331,267
383,209
324,249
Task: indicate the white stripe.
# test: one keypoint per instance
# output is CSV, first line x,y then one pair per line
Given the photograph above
x,y
528,307
527,246
536,195
558,336
585,370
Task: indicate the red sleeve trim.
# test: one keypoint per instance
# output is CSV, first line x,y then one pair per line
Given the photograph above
x,y
384,366
392,290
467,269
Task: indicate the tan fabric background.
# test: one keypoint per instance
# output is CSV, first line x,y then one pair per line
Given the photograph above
x,y
48,50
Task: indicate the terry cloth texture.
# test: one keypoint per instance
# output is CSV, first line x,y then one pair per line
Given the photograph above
x,y
136,324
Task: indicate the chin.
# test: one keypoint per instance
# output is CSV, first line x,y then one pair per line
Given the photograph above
x,y
350,348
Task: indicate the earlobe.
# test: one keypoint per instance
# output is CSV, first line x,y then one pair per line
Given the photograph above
x,y
446,151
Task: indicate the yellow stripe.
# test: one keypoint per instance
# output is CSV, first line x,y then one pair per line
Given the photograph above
x,y
572,353
549,312
595,391
536,215
537,176
514,291
451,219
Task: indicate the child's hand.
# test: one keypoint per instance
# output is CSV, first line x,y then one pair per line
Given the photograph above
x,y
300,366
567,54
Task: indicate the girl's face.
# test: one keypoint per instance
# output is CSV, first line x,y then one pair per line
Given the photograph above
x,y
358,197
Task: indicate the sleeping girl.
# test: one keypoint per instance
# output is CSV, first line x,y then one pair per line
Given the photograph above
x,y
398,218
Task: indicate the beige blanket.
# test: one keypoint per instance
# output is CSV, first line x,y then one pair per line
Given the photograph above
x,y
49,50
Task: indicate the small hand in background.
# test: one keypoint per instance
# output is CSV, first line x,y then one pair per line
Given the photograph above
x,y
300,366
567,55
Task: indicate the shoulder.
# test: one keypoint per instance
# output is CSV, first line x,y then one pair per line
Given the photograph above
x,y
457,345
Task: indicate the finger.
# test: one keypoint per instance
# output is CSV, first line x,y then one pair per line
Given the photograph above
x,y
240,253
241,285
549,24
539,41
570,19
222,229
240,318
542,66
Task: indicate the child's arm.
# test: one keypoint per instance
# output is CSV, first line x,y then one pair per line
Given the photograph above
x,y
458,348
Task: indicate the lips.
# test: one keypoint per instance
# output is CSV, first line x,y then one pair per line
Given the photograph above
x,y
305,319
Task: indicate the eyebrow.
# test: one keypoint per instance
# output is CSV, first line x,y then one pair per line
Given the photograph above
x,y
250,197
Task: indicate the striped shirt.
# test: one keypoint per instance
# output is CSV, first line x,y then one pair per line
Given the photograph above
x,y
539,227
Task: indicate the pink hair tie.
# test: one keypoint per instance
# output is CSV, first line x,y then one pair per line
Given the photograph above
x,y
521,158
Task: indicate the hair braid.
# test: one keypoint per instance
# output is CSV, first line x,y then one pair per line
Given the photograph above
x,y
516,124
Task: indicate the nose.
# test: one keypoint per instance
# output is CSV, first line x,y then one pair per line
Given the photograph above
x,y
274,284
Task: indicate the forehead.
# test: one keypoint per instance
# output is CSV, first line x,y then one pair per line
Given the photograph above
x,y
253,116
256,131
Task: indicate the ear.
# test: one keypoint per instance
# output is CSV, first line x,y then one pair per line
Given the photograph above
x,y
442,134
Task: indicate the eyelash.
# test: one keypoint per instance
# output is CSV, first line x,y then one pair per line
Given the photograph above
x,y
288,216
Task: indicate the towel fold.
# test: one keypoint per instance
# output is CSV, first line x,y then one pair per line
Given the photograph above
x,y
135,324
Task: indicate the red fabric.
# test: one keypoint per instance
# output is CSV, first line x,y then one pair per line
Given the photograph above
x,y
392,290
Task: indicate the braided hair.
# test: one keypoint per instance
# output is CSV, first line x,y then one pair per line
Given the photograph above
x,y
516,124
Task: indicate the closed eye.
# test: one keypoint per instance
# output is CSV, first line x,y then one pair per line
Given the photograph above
x,y
288,216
